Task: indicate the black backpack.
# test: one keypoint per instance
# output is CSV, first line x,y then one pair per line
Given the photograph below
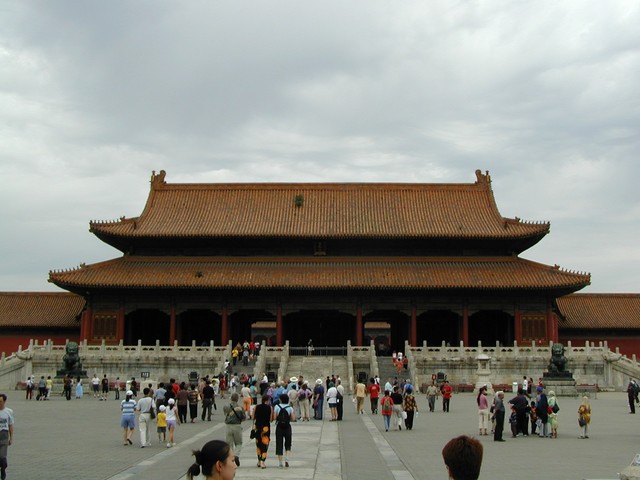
x,y
283,417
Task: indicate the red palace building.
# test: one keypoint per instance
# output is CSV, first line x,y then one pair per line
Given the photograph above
x,y
334,262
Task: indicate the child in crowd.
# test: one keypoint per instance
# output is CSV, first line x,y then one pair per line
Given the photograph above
x,y
513,421
162,424
533,417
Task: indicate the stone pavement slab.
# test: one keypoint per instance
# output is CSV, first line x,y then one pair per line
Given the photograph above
x,y
82,439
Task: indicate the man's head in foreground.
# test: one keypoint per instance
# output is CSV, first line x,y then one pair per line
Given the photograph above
x,y
463,457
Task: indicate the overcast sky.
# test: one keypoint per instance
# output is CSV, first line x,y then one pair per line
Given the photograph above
x,y
96,95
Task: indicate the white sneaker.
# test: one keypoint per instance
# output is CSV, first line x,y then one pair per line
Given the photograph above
x,y
168,445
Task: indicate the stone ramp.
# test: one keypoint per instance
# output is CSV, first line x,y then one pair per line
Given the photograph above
x,y
314,367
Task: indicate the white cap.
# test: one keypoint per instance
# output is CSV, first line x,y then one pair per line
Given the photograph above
x,y
130,393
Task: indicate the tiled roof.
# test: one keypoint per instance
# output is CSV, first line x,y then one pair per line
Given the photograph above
x,y
600,310
317,273
350,210
40,309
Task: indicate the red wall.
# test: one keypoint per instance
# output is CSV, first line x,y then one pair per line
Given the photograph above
x,y
9,343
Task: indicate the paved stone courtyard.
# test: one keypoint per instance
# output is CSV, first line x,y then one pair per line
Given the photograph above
x,y
82,439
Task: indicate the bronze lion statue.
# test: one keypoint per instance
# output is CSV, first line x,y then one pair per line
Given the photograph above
x,y
558,360
71,358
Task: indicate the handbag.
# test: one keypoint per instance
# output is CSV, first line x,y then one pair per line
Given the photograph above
x,y
253,433
404,415
152,413
582,422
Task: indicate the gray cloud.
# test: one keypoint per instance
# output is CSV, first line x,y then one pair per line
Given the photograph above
x,y
96,95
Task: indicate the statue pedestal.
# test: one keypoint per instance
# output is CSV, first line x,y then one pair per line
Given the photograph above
x,y
562,383
74,373
483,374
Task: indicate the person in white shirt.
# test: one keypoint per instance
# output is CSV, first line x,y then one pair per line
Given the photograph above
x,y
172,421
332,400
95,384
340,407
145,406
6,434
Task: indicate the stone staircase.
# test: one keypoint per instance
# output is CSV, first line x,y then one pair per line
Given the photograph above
x,y
387,370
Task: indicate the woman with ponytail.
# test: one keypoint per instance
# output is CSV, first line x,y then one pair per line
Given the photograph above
x,y
216,461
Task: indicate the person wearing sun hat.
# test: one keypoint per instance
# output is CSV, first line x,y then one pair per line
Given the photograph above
x,y
318,399
173,420
128,419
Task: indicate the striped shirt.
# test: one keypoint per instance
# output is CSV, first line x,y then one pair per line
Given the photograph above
x,y
128,407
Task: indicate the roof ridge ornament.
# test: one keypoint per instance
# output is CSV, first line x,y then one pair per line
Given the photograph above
x,y
157,180
483,179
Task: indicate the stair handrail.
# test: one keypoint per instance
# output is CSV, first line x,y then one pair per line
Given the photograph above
x,y
350,366
373,358
284,361
259,369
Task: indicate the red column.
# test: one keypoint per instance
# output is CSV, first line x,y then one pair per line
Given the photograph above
x,y
172,324
552,331
518,326
279,327
120,324
465,325
84,325
225,325
413,328
89,333
359,326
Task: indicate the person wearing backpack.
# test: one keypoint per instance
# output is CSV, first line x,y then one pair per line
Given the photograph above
x,y
283,415
386,408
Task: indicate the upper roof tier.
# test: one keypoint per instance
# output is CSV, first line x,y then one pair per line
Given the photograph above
x,y
321,211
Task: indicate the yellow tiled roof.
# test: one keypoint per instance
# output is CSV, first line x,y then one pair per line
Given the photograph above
x,y
40,309
600,310
323,210
317,273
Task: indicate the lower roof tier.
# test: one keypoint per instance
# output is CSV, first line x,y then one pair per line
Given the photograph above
x,y
600,311
320,273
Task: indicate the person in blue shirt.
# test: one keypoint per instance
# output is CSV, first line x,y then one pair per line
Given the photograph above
x,y
128,419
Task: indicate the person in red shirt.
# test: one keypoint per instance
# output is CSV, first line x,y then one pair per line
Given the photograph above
x,y
446,391
374,394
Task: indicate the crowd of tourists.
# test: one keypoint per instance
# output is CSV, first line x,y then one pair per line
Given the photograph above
x,y
273,406
529,413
